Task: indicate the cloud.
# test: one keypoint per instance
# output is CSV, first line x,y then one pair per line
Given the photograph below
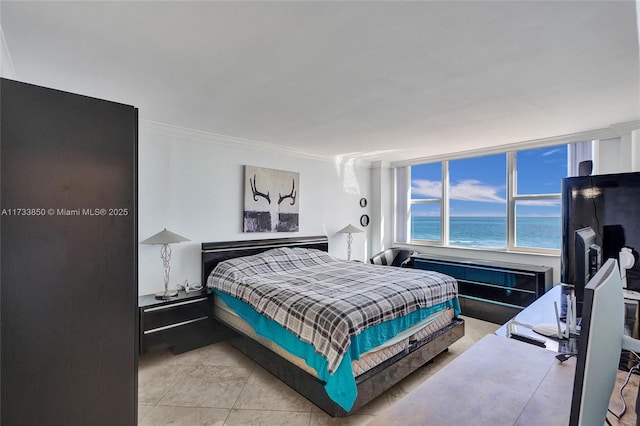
x,y
474,190
426,188
466,190
553,151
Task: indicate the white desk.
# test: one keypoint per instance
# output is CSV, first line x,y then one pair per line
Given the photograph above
x,y
498,381
542,311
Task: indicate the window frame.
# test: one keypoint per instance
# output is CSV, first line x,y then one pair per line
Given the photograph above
x,y
443,201
513,197
511,193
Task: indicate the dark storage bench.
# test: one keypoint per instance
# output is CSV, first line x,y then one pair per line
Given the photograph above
x,y
489,290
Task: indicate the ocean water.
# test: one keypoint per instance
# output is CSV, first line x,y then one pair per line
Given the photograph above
x,y
491,232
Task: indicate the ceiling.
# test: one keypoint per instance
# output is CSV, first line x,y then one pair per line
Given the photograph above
x,y
371,80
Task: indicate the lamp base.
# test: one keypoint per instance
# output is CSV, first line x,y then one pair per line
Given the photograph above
x,y
166,295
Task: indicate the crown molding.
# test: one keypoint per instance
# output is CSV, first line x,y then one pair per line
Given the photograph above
x,y
596,134
626,127
218,139
241,143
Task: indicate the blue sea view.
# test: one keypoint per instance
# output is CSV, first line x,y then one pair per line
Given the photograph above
x,y
490,232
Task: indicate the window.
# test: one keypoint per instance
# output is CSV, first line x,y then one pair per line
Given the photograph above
x,y
537,206
478,202
426,202
509,200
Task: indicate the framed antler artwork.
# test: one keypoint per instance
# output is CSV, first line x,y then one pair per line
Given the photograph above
x,y
270,200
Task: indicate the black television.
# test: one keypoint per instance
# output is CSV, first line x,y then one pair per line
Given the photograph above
x,y
610,206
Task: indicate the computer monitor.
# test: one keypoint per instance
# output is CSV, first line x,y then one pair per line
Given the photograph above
x,y
599,346
588,257
587,261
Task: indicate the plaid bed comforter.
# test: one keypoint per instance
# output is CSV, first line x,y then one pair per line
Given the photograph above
x,y
324,300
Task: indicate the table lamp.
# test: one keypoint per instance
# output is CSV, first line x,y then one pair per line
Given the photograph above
x,y
165,238
349,229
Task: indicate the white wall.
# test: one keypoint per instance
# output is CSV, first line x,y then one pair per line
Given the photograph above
x,y
381,206
193,185
619,154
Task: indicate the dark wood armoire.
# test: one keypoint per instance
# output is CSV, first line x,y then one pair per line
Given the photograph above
x,y
68,258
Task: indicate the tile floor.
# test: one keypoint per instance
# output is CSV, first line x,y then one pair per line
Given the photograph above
x,y
218,385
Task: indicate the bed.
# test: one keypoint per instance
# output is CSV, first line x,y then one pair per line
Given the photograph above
x,y
357,352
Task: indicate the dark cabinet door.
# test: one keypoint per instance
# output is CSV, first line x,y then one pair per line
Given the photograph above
x,y
68,293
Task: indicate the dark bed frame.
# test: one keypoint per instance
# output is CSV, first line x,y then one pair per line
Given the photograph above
x,y
371,383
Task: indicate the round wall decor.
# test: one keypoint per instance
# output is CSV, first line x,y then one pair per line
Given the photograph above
x,y
363,202
364,220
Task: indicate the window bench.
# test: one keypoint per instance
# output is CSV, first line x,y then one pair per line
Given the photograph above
x,y
489,290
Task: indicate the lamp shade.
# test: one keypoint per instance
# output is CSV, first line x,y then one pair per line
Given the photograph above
x,y
165,237
349,229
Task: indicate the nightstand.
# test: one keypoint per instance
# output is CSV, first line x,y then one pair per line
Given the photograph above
x,y
181,324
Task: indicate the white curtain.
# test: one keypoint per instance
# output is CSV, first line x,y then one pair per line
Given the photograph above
x,y
577,153
403,203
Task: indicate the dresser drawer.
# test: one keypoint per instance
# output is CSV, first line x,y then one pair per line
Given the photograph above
x,y
180,324
160,317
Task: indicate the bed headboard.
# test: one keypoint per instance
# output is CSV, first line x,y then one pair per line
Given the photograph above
x,y
215,252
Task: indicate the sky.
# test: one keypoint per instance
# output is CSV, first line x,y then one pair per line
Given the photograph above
x,y
478,185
